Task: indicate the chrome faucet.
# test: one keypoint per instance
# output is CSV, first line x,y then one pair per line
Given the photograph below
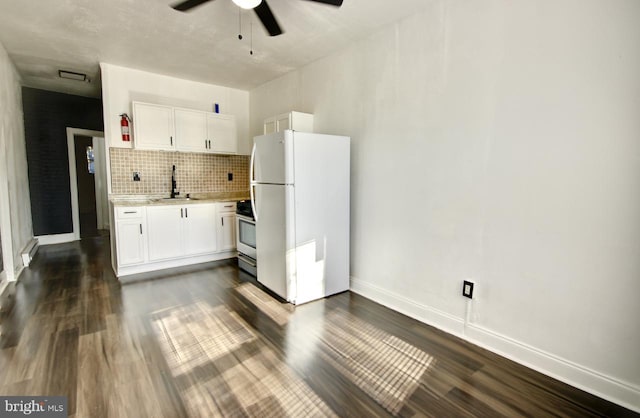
x,y
174,186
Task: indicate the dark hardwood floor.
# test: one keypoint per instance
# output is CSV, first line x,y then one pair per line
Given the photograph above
x,y
207,341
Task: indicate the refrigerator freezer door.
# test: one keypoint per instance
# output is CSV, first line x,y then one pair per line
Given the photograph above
x,y
274,241
272,158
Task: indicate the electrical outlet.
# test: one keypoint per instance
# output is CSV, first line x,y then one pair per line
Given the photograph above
x,y
467,289
136,176
230,176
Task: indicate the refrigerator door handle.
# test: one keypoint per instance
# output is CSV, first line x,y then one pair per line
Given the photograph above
x,y
251,182
253,201
253,157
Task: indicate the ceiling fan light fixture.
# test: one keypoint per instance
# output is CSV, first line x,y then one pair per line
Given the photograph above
x,y
247,4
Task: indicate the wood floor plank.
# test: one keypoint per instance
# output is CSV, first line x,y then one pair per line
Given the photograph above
x,y
209,341
60,378
93,373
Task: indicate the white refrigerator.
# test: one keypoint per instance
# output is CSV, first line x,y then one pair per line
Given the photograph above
x,y
300,196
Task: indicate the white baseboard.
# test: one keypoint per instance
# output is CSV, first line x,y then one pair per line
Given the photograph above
x,y
177,262
423,313
57,238
599,384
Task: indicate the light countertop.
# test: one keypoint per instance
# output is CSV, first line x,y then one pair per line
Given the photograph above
x,y
150,200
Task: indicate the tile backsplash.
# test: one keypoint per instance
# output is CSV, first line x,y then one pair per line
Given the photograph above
x,y
195,173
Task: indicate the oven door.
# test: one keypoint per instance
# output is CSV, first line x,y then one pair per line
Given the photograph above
x,y
246,236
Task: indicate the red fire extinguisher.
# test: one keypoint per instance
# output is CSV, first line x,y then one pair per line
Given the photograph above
x,y
124,127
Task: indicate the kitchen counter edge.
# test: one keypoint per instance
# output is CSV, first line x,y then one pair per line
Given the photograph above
x,y
137,200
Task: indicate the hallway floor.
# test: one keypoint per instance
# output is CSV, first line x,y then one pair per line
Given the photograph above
x,y
207,341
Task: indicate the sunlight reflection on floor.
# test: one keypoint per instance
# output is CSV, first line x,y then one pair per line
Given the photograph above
x,y
223,369
265,303
385,367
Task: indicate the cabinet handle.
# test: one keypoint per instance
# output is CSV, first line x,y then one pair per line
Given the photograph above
x,y
130,211
222,219
206,146
228,206
171,139
186,213
140,229
209,144
181,213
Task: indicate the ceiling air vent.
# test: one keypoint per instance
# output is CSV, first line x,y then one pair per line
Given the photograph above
x,y
71,75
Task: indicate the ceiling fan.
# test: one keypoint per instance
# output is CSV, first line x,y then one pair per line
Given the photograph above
x,y
261,8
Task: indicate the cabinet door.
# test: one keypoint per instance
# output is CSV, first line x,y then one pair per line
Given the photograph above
x,y
221,131
200,229
283,122
191,130
153,127
130,242
164,224
227,232
269,126
301,122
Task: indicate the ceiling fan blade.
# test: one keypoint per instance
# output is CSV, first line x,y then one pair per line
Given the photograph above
x,y
331,2
188,4
268,19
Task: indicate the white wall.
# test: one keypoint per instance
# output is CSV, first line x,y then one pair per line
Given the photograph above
x,y
121,86
15,204
496,141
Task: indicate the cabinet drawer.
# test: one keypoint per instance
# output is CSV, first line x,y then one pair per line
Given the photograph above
x,y
129,212
226,207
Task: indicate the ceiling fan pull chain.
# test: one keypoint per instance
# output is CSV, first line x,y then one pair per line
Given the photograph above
x,y
239,23
251,38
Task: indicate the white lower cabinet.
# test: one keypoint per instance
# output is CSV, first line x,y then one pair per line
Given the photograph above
x,y
165,232
178,231
154,237
199,233
130,239
227,226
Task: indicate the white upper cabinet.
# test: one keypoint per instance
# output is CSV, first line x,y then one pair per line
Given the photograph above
x,y
153,127
166,128
221,131
298,121
191,130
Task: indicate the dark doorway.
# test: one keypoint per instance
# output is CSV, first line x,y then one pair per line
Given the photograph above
x,y
86,188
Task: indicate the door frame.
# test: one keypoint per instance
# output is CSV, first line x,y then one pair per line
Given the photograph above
x,y
8,272
73,175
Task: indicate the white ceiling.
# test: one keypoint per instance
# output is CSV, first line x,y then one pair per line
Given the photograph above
x,y
44,36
